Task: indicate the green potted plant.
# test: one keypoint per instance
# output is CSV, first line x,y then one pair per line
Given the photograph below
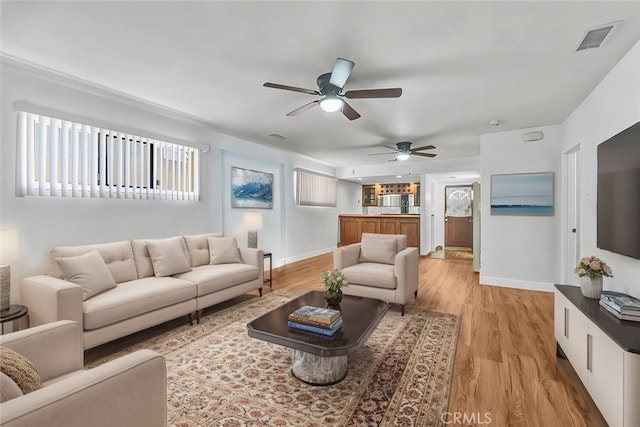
x,y
590,270
333,282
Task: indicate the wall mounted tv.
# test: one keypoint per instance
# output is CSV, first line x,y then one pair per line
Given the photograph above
x,y
619,193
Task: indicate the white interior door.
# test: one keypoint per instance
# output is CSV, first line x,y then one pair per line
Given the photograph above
x,y
572,232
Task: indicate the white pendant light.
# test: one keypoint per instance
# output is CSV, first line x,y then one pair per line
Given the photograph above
x,y
403,156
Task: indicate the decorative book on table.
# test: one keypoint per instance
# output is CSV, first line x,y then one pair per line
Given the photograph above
x,y
317,329
315,316
621,303
619,315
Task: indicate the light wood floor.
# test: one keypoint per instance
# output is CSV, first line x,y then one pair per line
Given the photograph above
x,y
506,362
505,365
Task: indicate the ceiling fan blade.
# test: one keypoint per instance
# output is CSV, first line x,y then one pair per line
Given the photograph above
x,y
292,88
374,93
304,108
341,72
423,154
381,154
426,147
349,112
392,148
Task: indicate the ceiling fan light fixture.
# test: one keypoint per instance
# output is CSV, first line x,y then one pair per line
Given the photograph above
x,y
331,103
403,156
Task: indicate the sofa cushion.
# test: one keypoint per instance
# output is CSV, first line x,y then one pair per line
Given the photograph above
x,y
117,255
168,256
131,299
20,370
144,266
198,247
371,274
211,278
8,388
400,238
223,250
378,249
89,271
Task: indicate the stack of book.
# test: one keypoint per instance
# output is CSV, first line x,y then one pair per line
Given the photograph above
x,y
621,305
316,319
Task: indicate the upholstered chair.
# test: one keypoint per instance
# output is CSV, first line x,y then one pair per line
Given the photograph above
x,y
49,359
379,266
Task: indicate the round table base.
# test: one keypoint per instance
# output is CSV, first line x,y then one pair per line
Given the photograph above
x,y
318,370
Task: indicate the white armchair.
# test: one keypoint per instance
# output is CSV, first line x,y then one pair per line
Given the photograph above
x,y
129,391
380,266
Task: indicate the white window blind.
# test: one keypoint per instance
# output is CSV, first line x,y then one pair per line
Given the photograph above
x,y
61,158
314,189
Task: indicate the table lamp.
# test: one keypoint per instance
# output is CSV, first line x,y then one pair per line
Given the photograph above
x,y
9,252
253,222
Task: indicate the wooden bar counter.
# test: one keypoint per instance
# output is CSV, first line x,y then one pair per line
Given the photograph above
x,y
353,225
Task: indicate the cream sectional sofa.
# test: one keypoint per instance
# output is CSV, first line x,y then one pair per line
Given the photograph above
x,y
145,283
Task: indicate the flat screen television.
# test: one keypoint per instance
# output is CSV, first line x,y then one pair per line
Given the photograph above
x,y
619,193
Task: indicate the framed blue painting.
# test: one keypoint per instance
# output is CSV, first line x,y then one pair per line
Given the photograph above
x,y
251,189
522,194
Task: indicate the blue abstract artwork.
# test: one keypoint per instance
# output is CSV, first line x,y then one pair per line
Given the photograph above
x,y
251,189
522,194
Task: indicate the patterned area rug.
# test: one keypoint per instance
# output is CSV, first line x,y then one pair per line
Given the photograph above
x,y
219,376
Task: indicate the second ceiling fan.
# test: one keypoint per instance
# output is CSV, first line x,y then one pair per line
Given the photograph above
x,y
403,151
330,87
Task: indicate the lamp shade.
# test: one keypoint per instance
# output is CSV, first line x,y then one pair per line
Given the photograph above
x,y
9,248
253,220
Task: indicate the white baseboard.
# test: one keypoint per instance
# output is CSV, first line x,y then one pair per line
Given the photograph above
x,y
517,284
304,256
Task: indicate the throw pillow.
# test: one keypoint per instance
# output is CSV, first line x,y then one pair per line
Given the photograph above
x,y
224,250
379,250
89,271
20,370
168,256
198,247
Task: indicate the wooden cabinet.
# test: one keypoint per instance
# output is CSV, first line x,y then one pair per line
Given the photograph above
x,y
369,197
604,351
352,227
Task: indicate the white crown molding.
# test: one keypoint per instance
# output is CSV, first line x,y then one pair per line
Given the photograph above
x,y
86,86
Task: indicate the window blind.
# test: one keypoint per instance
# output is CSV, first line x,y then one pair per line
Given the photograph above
x,y
61,158
314,189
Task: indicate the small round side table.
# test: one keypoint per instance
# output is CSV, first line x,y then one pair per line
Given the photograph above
x,y
14,312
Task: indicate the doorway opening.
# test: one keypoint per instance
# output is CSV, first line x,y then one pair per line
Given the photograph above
x,y
458,222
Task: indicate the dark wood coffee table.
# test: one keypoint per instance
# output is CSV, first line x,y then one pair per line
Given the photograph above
x,y
317,359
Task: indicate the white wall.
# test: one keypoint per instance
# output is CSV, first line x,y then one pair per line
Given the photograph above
x,y
46,222
291,232
613,106
520,251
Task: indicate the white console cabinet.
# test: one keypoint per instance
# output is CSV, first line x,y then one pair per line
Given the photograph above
x,y
604,351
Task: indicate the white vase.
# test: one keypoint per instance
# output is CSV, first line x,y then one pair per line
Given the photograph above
x,y
591,286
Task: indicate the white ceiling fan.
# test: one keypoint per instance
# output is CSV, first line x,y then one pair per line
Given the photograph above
x,y
403,151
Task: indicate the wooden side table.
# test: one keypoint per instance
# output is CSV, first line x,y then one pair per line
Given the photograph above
x,y
270,256
14,312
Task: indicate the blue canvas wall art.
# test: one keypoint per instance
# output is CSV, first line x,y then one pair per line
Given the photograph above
x,y
251,189
522,194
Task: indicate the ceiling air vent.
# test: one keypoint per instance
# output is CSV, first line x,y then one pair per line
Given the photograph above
x,y
595,37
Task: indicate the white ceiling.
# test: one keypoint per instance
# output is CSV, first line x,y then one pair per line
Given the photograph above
x,y
460,65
